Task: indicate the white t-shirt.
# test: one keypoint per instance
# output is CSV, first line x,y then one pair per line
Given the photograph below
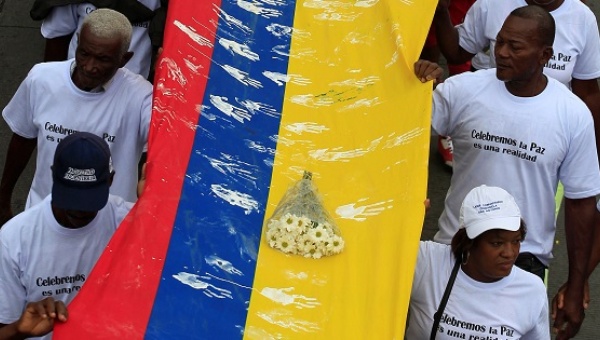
x,y
49,107
576,46
64,20
523,145
41,258
481,60
515,307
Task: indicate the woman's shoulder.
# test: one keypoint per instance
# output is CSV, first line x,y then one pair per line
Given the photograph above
x,y
528,281
435,253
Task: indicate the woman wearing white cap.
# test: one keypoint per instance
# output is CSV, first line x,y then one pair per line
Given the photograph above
x,y
471,288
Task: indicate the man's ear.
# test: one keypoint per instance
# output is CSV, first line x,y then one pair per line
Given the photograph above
x,y
547,53
126,57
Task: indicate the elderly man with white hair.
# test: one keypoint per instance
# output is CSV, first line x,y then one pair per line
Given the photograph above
x,y
91,93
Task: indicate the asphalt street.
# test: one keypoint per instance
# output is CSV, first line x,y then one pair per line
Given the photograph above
x,y
22,46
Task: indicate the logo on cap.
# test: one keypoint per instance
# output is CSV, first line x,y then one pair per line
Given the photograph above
x,y
485,208
80,175
82,171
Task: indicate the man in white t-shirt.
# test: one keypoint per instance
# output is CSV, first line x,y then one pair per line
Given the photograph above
x,y
90,93
62,26
515,128
574,61
50,249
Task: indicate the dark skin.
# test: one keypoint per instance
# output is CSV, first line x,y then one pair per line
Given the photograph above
x,y
521,56
97,61
579,213
589,92
493,255
521,68
37,319
57,49
447,36
426,70
18,155
74,219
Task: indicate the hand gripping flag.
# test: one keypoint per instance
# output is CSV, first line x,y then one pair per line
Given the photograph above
x,y
249,95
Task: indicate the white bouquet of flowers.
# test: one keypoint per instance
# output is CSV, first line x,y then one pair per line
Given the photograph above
x,y
300,224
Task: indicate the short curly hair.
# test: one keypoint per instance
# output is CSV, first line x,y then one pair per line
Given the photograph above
x,y
545,22
107,23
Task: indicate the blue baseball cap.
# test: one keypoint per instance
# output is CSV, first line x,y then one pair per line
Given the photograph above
x,y
81,173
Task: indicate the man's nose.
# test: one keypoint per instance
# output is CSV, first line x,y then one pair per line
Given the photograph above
x,y
501,50
91,66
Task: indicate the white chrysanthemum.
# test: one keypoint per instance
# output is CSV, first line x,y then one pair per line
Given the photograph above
x,y
288,219
286,244
318,233
272,236
307,247
304,222
293,234
337,244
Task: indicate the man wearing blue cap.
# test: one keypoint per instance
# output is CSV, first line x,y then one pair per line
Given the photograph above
x,y
49,249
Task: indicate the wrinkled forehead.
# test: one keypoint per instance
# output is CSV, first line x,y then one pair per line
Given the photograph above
x,y
519,29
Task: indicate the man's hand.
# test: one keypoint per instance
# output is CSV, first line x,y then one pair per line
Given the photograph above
x,y
38,317
558,301
426,70
569,313
19,151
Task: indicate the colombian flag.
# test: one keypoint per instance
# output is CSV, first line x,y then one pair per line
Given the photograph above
x,y
250,94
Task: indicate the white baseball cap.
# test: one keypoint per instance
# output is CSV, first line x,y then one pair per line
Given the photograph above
x,y
485,208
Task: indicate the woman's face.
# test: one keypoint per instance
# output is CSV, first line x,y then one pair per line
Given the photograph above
x,y
493,255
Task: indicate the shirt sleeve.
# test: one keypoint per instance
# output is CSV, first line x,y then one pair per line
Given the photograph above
x,y
420,267
12,292
588,63
542,324
61,21
471,33
18,114
146,115
442,108
579,170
